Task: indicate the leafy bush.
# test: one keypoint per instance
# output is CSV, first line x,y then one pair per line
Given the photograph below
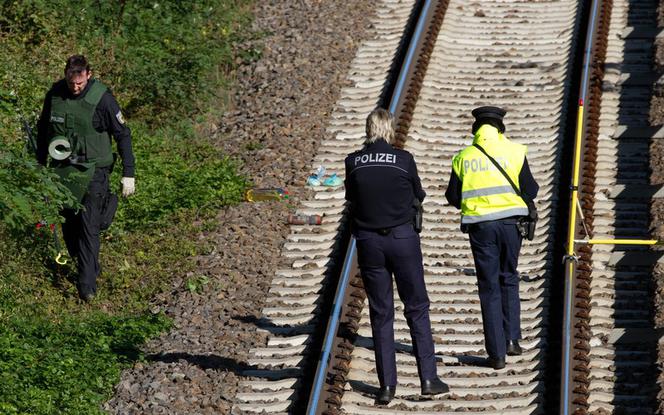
x,y
68,367
29,193
175,173
173,50
166,61
162,57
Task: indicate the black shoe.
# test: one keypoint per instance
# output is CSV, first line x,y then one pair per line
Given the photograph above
x,y
513,348
385,394
434,387
87,297
496,362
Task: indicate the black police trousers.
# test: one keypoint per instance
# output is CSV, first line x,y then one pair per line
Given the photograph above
x,y
81,231
495,246
380,256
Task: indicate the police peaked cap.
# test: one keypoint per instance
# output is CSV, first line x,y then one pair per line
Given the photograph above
x,y
488,113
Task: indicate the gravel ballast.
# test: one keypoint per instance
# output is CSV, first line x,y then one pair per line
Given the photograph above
x,y
280,110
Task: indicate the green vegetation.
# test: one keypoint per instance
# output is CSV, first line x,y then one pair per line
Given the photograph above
x,y
168,65
67,367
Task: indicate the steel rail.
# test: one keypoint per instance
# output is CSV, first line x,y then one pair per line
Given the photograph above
x,y
570,258
573,398
333,325
328,384
407,86
398,105
410,56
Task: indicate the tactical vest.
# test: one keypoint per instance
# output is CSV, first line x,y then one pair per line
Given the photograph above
x,y
485,193
72,119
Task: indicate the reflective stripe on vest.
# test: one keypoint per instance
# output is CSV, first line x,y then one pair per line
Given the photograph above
x,y
488,191
485,193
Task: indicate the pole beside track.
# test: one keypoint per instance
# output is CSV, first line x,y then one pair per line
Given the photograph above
x,y
574,380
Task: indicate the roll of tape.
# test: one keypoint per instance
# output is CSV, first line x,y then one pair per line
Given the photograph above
x,y
59,149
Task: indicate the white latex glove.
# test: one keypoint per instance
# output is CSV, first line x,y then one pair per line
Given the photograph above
x,y
128,187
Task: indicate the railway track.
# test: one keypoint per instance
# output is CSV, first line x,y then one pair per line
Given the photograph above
x,y
614,345
520,55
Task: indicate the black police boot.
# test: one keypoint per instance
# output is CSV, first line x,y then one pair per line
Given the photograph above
x,y
496,362
434,387
85,292
385,394
513,348
87,297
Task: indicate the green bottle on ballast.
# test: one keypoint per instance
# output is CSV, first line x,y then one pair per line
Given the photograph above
x,y
271,193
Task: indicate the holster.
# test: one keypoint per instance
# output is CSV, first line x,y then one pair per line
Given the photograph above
x,y
527,224
110,202
419,213
108,211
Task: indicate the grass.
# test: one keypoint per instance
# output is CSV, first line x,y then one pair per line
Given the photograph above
x,y
169,65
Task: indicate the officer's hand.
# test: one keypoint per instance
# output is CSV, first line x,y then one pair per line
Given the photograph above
x,y
127,186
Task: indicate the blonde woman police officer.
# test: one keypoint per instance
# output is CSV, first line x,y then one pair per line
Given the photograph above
x,y
381,186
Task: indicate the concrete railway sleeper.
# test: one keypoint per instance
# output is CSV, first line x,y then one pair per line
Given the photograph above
x,y
612,349
530,63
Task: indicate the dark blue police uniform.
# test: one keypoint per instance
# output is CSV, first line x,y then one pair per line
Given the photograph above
x,y
495,246
381,186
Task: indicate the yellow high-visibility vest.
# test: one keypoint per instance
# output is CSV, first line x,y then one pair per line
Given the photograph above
x,y
485,192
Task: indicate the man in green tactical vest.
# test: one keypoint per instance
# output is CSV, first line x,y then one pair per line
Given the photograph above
x,y
78,118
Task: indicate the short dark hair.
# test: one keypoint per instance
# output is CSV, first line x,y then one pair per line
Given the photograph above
x,y
76,64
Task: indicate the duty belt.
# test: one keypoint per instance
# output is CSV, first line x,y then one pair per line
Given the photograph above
x,y
512,220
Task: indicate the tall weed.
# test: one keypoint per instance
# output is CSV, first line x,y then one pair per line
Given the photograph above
x,y
165,61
